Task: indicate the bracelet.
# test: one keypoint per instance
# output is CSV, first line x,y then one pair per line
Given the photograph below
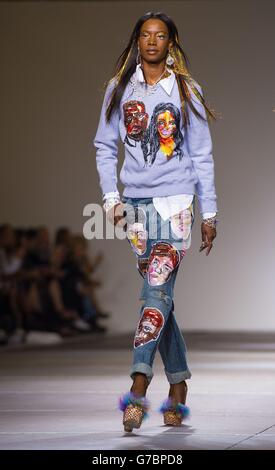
x,y
110,202
211,221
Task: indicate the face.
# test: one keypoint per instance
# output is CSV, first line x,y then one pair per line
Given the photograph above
x,y
159,270
138,237
153,34
135,119
166,124
181,223
149,326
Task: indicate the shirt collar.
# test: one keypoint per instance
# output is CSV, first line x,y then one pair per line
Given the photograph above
x,y
166,83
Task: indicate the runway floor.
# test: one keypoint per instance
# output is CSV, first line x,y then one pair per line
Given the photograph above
x,y
65,397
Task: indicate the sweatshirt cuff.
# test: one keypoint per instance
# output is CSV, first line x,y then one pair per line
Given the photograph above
x,y
207,204
207,215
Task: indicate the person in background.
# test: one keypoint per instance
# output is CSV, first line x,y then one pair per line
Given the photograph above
x,y
12,252
77,283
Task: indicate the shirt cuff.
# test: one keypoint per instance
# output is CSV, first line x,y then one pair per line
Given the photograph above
x,y
207,215
111,194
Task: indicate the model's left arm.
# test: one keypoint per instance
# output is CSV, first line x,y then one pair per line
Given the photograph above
x,y
200,149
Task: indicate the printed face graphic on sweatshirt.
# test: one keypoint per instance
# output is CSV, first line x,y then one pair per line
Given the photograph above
x,y
164,257
163,132
149,327
166,126
135,120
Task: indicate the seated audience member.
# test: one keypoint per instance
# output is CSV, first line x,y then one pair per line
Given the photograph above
x,y
77,284
12,252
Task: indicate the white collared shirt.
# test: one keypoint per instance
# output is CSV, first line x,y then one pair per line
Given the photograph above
x,y
166,83
166,206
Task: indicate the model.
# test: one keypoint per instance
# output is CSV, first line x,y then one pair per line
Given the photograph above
x,y
159,111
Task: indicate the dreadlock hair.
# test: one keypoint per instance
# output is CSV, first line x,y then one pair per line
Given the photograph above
x,y
126,64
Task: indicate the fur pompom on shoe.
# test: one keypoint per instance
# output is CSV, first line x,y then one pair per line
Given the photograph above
x,y
135,410
173,414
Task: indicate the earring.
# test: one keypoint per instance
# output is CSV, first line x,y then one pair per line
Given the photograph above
x,y
138,57
169,59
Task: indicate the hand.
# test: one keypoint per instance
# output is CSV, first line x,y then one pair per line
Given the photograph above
x,y
115,214
207,234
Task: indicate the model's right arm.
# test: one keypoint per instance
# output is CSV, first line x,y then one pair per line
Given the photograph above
x,y
106,143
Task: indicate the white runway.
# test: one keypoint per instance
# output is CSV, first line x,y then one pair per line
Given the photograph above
x,y
65,397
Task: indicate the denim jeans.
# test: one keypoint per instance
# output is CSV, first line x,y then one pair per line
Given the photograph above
x,y
159,247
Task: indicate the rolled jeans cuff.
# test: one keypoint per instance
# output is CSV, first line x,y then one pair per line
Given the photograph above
x,y
143,368
176,377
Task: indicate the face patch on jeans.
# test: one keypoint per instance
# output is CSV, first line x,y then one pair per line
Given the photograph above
x,y
136,229
181,223
182,251
163,259
149,327
142,265
186,243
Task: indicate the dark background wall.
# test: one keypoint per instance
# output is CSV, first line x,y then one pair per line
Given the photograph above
x,y
55,58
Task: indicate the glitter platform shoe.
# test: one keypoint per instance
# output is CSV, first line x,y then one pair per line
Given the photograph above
x,y
135,410
173,414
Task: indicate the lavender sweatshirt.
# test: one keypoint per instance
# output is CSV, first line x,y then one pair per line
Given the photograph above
x,y
162,158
